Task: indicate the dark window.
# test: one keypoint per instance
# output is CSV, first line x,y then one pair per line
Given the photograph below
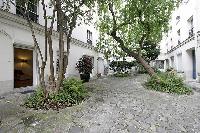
x,y
191,32
177,19
191,27
89,37
179,32
179,42
31,7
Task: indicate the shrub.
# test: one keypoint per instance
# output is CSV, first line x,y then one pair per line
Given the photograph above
x,y
168,82
170,69
85,64
71,93
121,66
140,69
36,100
120,74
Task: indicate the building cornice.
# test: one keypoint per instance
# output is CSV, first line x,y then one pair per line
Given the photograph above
x,y
20,22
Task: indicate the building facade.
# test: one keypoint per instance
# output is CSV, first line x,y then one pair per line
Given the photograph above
x,y
17,55
180,47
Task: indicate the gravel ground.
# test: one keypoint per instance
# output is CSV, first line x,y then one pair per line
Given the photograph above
x,y
116,105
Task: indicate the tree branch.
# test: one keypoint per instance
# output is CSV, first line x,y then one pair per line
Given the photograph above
x,y
45,18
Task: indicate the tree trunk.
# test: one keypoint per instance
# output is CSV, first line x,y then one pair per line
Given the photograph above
x,y
146,66
61,45
137,56
51,77
42,81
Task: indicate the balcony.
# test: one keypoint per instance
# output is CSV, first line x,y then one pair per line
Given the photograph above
x,y
31,11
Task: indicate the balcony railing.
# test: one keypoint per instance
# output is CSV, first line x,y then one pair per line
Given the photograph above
x,y
181,44
31,11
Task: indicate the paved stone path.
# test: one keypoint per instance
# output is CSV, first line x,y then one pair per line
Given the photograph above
x,y
115,106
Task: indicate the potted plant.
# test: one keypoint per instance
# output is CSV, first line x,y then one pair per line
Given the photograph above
x,y
85,66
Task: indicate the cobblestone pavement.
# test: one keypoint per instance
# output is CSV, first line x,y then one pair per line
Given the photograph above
x,y
116,105
194,85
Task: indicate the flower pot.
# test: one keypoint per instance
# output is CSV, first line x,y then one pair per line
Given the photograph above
x,y
85,77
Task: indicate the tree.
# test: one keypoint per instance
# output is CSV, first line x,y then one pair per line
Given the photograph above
x,y
66,13
131,23
150,51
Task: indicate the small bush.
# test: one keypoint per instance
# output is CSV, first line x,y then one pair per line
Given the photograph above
x,y
168,82
72,92
120,74
36,100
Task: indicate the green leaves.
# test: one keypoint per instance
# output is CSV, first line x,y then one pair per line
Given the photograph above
x,y
85,65
136,20
121,66
168,82
72,92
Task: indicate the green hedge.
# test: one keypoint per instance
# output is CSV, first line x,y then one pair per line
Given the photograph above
x,y
168,82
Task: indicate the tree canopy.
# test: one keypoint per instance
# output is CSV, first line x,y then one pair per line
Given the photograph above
x,y
131,23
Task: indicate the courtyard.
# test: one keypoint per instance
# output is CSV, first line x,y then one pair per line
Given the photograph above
x,y
115,105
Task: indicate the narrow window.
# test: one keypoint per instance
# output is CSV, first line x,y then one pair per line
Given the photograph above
x,y
191,26
177,19
89,37
179,36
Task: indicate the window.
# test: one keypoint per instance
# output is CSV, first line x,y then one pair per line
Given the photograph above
x,y
89,37
171,43
179,32
185,1
31,7
170,29
179,36
179,58
172,62
190,26
160,64
177,19
167,47
179,42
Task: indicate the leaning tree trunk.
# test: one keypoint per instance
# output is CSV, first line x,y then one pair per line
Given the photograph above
x,y
137,56
146,66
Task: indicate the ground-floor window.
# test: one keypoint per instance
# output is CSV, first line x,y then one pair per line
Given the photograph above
x,y
160,64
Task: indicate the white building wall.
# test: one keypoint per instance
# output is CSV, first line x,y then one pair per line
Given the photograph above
x,y
6,63
80,32
170,46
14,32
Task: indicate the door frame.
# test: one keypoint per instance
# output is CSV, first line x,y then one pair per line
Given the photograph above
x,y
25,47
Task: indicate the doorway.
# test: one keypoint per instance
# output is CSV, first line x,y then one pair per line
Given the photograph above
x,y
23,67
193,64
